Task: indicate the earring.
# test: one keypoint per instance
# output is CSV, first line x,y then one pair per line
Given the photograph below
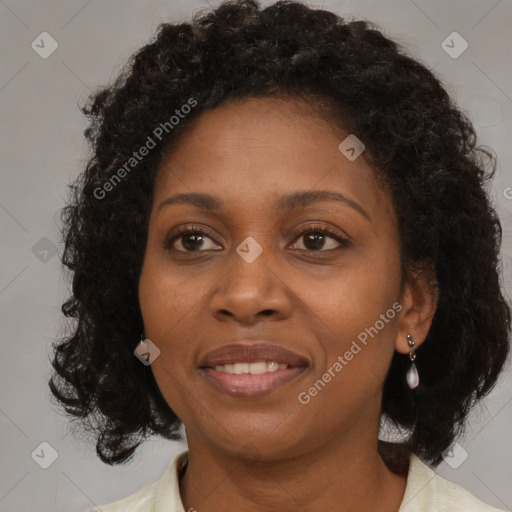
x,y
413,379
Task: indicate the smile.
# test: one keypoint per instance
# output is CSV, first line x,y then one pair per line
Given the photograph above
x,y
242,381
252,368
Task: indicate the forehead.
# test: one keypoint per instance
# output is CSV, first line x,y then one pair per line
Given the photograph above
x,y
253,150
241,123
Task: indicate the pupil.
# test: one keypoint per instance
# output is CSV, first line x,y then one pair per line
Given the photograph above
x,y
317,241
195,238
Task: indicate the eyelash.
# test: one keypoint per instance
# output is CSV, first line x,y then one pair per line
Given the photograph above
x,y
323,230
344,243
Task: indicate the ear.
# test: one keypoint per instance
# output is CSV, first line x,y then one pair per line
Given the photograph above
x,y
419,302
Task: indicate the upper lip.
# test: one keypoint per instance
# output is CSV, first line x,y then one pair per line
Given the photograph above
x,y
250,352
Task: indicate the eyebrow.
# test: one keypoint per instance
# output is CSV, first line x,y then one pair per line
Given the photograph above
x,y
296,200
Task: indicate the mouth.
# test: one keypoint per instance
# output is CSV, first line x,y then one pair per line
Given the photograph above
x,y
251,370
251,384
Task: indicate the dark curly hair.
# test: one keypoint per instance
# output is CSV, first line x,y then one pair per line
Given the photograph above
x,y
422,147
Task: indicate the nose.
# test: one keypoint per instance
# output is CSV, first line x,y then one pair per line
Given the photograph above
x,y
251,293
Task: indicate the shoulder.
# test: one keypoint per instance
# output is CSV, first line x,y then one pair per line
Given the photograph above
x,y
426,491
141,501
162,495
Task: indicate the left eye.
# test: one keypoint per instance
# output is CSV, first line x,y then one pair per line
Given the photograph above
x,y
315,238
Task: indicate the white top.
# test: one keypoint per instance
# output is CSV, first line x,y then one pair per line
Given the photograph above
x,y
426,491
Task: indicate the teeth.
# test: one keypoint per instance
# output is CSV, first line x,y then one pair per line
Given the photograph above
x,y
252,368
240,368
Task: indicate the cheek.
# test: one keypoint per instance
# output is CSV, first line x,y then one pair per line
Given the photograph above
x,y
165,297
171,303
165,300
356,346
354,313
354,295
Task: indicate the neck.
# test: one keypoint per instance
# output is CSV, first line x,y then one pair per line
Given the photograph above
x,y
345,476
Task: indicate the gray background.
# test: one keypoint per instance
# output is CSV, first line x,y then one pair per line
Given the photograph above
x,y
42,148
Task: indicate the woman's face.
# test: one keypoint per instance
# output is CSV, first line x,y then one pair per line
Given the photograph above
x,y
245,275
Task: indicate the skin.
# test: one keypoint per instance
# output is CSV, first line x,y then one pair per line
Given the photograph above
x,y
272,452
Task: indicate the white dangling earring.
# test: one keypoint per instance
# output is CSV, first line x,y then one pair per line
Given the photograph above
x,y
413,378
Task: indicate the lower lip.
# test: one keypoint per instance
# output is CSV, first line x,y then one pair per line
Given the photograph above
x,y
249,385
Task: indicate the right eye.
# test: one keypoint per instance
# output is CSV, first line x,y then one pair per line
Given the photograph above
x,y
191,238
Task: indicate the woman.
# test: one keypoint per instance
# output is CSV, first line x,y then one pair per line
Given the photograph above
x,y
283,237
